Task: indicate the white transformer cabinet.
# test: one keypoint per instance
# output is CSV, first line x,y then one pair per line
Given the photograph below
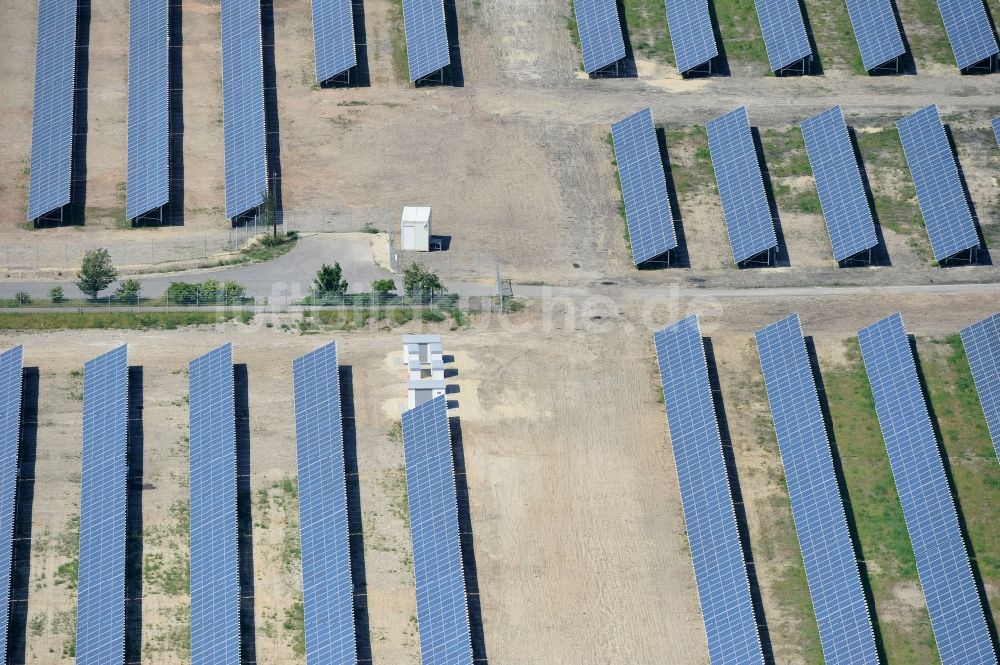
x,y
416,231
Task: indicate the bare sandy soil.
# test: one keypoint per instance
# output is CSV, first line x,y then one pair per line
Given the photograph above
x,y
577,527
514,162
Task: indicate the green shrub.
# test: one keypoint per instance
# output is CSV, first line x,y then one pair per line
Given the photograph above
x,y
401,315
432,315
56,295
22,298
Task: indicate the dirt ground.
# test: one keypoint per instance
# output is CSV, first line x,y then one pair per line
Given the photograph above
x,y
576,519
514,162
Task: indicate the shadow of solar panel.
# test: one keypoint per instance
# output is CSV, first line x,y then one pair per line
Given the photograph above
x,y
333,37
996,130
328,592
148,107
52,117
969,31
716,551
876,31
426,37
831,566
600,33
838,181
11,379
953,602
644,187
215,588
784,32
982,347
442,610
243,106
691,34
935,177
741,186
100,615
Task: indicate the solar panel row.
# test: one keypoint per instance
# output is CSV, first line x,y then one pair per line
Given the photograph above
x,y
982,347
644,187
691,33
100,617
996,129
784,32
838,181
11,380
936,179
52,119
719,566
969,31
215,589
741,185
243,106
845,627
953,602
876,31
600,33
442,611
333,37
426,37
328,591
148,107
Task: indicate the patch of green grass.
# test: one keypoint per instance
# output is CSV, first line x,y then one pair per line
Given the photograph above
x,y
268,248
971,458
690,160
166,574
741,34
925,32
295,624
400,59
393,482
118,320
785,152
574,29
834,35
906,633
647,30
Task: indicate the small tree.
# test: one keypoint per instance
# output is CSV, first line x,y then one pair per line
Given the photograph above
x,y
268,212
233,291
210,291
329,281
56,295
96,272
419,282
383,286
128,290
22,298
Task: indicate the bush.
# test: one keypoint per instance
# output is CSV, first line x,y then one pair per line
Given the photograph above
x,y
208,292
419,282
56,295
384,286
128,290
22,298
399,316
432,316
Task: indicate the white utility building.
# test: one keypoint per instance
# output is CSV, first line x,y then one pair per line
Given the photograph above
x,y
416,231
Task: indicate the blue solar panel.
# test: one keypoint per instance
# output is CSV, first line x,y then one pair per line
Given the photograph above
x,y
719,567
148,107
982,347
953,602
326,553
215,585
996,129
969,31
52,120
243,106
600,33
784,32
691,33
426,37
11,374
644,187
876,31
838,182
845,628
100,615
333,37
935,177
442,612
741,186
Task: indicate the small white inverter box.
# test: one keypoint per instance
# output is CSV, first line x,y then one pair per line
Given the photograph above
x,y
416,231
